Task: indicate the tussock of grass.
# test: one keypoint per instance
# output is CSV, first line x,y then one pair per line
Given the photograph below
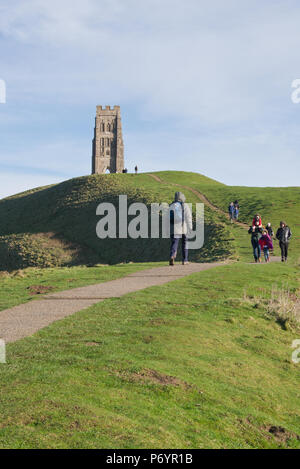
x,y
284,306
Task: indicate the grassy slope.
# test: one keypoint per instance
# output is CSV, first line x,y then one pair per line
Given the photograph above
x,y
86,381
273,204
69,209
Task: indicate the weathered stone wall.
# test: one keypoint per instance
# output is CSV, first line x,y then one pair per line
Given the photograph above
x,y
108,147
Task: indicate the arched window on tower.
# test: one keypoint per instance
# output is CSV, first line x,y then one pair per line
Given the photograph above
x,y
102,127
108,127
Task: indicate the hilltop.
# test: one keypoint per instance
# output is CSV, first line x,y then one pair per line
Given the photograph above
x,y
55,225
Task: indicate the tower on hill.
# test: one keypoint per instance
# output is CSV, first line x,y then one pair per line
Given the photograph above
x,y
108,147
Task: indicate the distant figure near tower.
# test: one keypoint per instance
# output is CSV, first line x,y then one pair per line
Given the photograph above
x,y
108,147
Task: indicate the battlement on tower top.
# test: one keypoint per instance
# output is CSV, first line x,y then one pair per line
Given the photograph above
x,y
107,109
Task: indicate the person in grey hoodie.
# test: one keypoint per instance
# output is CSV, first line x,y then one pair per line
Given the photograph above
x,y
180,224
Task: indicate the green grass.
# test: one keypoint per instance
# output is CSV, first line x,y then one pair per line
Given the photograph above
x,y
98,379
272,203
33,223
196,363
15,287
55,225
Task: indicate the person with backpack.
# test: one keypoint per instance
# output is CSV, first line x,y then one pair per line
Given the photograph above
x,y
266,244
180,224
236,209
231,211
256,234
284,235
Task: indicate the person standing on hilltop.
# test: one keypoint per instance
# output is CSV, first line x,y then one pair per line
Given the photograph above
x,y
136,170
256,234
284,235
180,223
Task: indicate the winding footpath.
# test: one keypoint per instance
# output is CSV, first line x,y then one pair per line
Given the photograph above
x,y
201,196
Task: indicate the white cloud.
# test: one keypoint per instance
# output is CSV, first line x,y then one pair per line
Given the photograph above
x,y
215,74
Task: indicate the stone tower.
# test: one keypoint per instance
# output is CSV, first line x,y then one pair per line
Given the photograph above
x,y
108,147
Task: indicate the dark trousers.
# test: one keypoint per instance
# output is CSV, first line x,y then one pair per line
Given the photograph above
x,y
284,249
256,249
174,247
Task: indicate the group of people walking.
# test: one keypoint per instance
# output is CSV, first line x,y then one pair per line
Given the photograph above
x,y
262,239
234,210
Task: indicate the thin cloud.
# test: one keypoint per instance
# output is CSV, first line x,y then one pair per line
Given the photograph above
x,y
215,75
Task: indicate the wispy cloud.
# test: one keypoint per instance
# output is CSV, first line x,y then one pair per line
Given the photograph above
x,y
197,81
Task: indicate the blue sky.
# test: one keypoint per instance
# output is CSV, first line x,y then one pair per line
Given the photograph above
x,y
203,86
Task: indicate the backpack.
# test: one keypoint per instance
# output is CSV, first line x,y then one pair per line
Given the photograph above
x,y
177,213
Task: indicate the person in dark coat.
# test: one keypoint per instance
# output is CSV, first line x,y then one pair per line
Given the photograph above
x,y
284,235
256,233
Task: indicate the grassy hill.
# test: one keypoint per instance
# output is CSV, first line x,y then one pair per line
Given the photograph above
x,y
202,362
56,225
272,203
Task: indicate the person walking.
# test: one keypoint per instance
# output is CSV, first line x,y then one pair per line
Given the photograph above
x,y
284,235
256,234
136,169
236,210
257,218
180,224
231,211
270,230
266,244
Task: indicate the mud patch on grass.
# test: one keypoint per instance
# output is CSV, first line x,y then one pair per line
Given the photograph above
x,y
158,322
147,376
39,289
148,339
280,434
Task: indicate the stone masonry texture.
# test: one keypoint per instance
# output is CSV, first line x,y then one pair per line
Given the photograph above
x,y
108,146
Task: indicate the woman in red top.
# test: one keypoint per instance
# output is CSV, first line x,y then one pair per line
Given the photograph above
x,y
257,218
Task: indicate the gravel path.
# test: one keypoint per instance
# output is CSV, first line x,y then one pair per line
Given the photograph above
x,y
24,320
